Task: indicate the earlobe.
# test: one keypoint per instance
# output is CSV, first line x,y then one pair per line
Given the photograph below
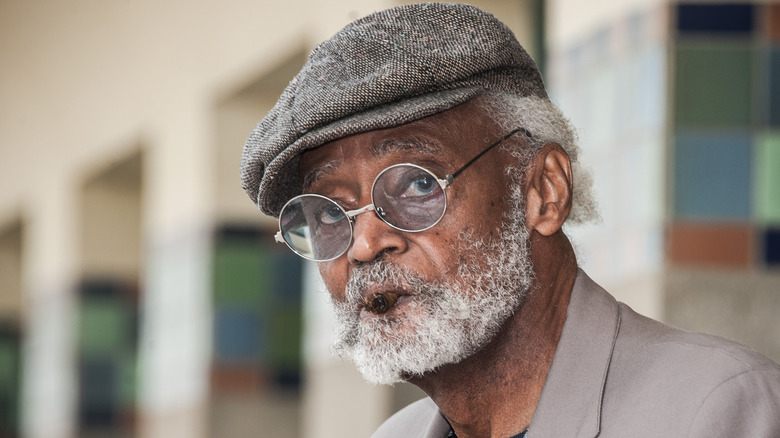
x,y
549,190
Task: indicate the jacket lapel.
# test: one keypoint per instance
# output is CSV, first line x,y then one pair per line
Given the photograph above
x,y
570,404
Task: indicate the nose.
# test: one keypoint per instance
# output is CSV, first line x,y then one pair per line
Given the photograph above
x,y
371,237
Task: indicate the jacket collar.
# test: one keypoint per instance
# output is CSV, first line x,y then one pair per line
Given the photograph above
x,y
570,404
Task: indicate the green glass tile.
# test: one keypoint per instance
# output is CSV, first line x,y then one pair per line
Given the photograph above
x,y
8,357
768,179
241,273
9,386
713,85
104,326
128,379
285,351
773,88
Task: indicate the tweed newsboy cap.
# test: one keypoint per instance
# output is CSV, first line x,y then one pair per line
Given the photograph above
x,y
383,70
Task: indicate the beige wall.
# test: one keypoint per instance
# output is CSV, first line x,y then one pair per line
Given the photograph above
x,y
571,20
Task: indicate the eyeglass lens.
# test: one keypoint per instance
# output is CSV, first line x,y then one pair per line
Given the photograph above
x,y
315,227
408,197
405,196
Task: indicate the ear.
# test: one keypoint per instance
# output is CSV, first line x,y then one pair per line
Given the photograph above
x,y
549,190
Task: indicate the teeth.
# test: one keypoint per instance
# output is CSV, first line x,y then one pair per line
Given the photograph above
x,y
380,302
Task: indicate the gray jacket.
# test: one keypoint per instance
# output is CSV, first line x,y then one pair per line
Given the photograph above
x,y
619,374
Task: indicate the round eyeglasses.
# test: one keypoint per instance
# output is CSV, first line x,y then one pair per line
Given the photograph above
x,y
405,196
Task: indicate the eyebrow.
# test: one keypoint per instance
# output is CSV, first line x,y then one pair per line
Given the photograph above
x,y
377,150
411,144
314,174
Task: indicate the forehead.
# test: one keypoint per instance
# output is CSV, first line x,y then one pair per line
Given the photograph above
x,y
453,136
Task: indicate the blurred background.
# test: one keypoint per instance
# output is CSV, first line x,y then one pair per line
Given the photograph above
x,y
141,292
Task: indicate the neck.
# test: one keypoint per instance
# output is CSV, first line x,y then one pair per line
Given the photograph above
x,y
495,391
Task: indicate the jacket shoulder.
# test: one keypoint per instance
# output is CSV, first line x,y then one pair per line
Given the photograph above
x,y
686,382
650,342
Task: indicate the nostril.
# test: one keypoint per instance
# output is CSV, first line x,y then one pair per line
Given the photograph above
x,y
378,256
385,251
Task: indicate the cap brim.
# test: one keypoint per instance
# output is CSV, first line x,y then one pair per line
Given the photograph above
x,y
281,179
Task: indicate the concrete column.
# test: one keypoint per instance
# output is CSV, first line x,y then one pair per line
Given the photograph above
x,y
48,386
175,345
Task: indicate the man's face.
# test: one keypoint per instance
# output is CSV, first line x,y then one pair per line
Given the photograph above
x,y
458,281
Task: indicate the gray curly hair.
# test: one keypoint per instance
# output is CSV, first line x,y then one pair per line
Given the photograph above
x,y
546,124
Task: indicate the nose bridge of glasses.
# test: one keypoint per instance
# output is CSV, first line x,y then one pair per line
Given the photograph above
x,y
352,213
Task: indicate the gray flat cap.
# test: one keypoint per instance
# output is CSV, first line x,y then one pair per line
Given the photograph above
x,y
384,70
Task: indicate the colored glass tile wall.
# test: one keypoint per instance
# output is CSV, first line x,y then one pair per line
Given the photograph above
x,y
108,336
257,302
725,143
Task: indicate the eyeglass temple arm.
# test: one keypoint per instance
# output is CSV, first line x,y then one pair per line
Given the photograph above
x,y
452,176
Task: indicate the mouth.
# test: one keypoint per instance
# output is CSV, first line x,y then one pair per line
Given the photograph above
x,y
380,303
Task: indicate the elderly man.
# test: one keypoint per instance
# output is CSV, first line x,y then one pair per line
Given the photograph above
x,y
417,158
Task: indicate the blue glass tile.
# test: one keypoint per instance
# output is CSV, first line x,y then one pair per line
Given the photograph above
x,y
237,335
772,246
728,18
712,176
287,278
288,378
97,392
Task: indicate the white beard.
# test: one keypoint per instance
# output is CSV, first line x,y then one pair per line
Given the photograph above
x,y
442,322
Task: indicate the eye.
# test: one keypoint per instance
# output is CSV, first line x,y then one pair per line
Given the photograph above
x,y
423,185
420,185
330,215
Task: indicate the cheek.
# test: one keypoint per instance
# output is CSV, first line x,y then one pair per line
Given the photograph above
x,y
436,254
335,277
